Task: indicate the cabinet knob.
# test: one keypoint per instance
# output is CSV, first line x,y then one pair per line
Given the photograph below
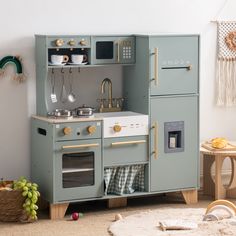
x,y
83,42
59,42
67,130
91,129
117,128
71,42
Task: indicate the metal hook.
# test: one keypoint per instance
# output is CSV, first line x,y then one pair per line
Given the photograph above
x,y
62,70
70,70
52,70
79,69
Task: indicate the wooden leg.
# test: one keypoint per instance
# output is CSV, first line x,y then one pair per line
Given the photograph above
x,y
220,192
57,211
231,190
117,202
190,196
208,183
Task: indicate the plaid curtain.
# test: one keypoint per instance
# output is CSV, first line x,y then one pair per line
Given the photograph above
x,y
124,179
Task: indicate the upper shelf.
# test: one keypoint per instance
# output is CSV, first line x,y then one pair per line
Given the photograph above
x,y
84,66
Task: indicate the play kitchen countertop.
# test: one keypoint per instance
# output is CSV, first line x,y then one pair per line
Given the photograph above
x,y
95,117
67,120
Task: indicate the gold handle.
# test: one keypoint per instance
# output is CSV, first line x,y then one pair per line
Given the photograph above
x,y
81,146
128,142
156,66
155,152
118,51
190,67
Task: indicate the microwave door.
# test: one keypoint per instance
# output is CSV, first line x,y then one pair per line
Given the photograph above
x,y
105,51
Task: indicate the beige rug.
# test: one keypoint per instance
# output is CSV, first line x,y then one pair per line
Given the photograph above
x,y
146,223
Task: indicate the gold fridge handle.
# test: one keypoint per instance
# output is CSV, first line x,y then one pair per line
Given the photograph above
x,y
155,152
81,146
155,66
128,142
118,51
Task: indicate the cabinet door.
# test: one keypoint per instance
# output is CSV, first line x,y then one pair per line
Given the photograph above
x,y
78,168
174,64
174,143
125,150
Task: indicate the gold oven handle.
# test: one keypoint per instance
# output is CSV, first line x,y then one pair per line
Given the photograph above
x,y
118,51
81,146
155,66
155,152
128,142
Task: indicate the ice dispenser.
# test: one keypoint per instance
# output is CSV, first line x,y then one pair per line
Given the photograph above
x,y
174,136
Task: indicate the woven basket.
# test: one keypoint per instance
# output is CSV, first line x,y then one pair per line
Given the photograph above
x,y
11,206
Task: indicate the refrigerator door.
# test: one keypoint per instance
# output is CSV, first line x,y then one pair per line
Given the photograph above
x,y
174,151
174,64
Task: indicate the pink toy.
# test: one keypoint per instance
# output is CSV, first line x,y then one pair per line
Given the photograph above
x,y
76,215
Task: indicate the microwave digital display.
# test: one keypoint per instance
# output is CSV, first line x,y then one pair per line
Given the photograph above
x,y
104,50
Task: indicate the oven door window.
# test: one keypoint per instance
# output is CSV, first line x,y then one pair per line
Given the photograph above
x,y
104,50
78,169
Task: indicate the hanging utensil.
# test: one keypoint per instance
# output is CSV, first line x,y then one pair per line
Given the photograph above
x,y
63,89
71,96
53,94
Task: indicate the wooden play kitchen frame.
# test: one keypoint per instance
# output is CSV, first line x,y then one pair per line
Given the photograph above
x,y
160,79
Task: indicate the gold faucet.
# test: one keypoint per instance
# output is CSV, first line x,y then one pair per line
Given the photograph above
x,y
110,107
104,82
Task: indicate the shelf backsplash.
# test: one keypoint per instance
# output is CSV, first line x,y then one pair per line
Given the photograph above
x,y
86,85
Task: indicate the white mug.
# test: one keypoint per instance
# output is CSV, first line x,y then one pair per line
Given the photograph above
x,y
59,59
78,58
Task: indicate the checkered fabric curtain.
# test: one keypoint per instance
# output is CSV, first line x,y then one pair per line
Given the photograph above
x,y
226,63
124,179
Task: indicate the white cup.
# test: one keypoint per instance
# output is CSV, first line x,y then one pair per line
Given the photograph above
x,y
78,59
59,59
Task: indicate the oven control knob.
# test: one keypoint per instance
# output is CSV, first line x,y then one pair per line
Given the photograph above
x,y
59,42
83,42
67,130
117,128
91,129
71,42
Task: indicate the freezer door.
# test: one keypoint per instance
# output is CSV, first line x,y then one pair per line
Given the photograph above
x,y
174,154
174,64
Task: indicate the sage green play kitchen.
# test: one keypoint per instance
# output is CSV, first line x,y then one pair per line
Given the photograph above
x,y
132,126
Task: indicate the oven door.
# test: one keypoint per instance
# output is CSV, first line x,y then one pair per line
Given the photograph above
x,y
78,169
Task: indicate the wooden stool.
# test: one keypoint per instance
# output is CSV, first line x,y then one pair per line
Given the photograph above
x,y
217,189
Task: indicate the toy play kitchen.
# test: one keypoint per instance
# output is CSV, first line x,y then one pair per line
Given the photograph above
x,y
131,128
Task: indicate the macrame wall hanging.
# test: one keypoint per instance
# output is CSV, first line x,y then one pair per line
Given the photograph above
x,y
226,63
16,61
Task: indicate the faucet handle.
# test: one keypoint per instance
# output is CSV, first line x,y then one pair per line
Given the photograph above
x,y
115,102
120,102
101,102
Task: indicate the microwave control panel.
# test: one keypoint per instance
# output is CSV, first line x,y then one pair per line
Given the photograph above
x,y
126,49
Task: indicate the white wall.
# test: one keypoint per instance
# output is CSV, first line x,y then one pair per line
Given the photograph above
x,y
20,20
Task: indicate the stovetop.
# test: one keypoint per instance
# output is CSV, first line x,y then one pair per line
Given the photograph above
x,y
95,117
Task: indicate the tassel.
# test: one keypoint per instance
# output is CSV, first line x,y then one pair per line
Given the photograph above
x,y
19,77
226,82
